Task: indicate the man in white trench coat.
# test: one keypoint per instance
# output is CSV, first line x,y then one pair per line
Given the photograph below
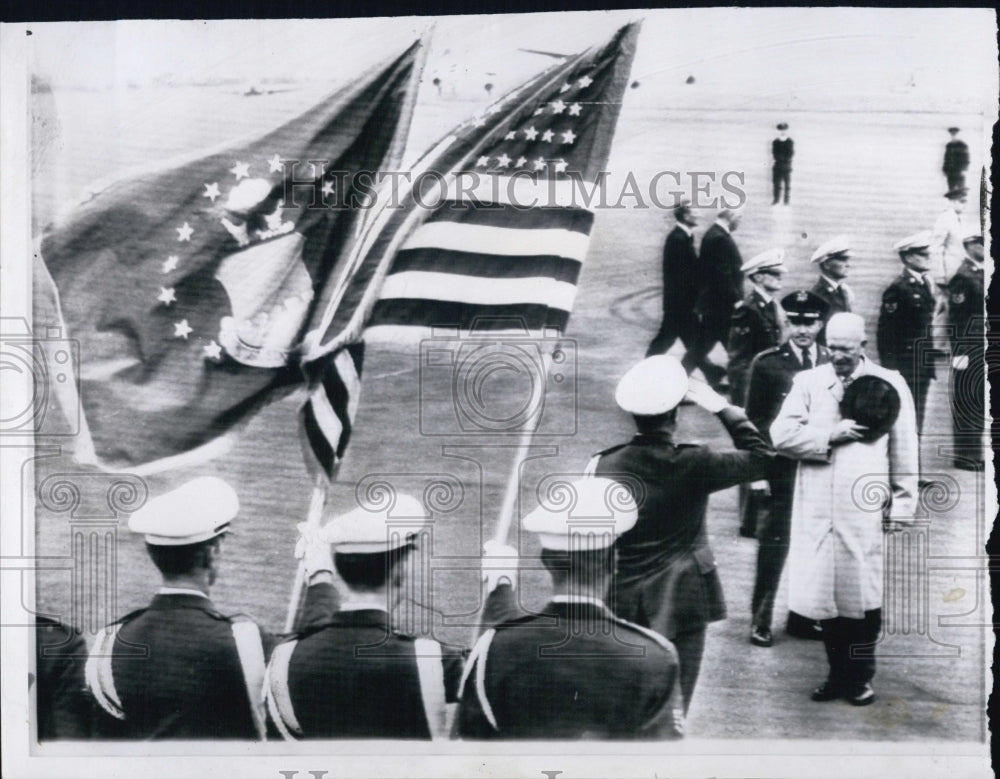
x,y
835,560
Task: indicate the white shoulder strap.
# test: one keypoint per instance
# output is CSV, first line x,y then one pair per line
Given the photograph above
x,y
279,701
431,672
591,468
251,652
477,660
98,675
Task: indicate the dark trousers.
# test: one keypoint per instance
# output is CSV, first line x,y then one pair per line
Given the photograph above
x,y
709,331
968,411
781,175
850,648
773,534
956,178
918,384
675,324
690,646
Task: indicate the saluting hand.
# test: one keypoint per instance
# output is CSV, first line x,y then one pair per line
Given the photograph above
x,y
847,431
703,395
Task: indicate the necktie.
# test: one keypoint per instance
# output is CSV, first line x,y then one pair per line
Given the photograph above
x,y
807,362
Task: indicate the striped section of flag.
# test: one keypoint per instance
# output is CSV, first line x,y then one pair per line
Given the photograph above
x,y
327,416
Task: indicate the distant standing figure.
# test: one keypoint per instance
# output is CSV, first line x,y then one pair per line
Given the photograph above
x,y
834,261
956,160
680,283
782,149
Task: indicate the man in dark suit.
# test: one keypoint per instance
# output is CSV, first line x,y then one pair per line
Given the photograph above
x,y
180,669
967,321
575,670
758,322
721,290
956,160
666,577
681,281
908,306
834,261
770,379
782,150
353,675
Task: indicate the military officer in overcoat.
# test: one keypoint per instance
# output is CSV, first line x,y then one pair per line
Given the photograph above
x,y
834,261
667,578
576,669
904,323
758,322
966,318
353,675
180,669
771,376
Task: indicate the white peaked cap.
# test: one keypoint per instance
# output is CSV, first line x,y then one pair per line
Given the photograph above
x,y
370,530
654,386
838,246
772,258
196,511
593,514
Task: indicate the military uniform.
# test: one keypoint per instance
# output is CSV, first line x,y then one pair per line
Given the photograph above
x,y
64,709
966,316
757,324
782,150
903,329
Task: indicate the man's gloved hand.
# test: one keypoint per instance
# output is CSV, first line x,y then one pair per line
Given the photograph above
x,y
703,395
313,550
960,363
760,487
499,564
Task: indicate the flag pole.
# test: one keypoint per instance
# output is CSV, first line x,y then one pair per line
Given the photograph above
x,y
316,504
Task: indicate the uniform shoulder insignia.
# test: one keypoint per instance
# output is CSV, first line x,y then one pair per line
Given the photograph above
x,y
130,616
769,352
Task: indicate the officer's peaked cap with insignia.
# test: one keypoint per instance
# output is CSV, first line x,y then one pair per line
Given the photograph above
x,y
394,523
654,386
772,258
837,248
915,242
804,306
873,402
590,514
198,510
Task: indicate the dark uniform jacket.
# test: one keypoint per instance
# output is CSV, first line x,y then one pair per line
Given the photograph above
x,y
666,576
770,380
722,282
64,708
783,151
966,314
573,671
903,327
756,325
956,157
838,299
353,676
180,669
681,276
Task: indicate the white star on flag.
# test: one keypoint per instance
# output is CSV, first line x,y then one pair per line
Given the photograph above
x,y
568,136
483,162
211,191
170,263
184,232
560,166
539,110
166,295
327,188
566,87
558,107
503,161
510,136
241,170
586,81
274,164
181,329
547,136
574,109
520,161
213,351
539,164
479,121
531,133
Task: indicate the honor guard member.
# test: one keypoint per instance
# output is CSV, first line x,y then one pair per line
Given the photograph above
x,y
179,668
575,670
666,576
904,322
757,323
771,376
782,150
354,676
967,326
834,261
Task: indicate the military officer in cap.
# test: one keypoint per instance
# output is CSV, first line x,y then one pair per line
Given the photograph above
x,y
666,576
771,376
904,323
834,261
353,675
180,669
956,159
782,150
574,670
967,326
758,322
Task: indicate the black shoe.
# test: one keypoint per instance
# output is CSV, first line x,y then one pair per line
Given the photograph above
x,y
828,691
861,696
761,636
800,627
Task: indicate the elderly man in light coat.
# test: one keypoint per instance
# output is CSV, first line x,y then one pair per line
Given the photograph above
x,y
835,561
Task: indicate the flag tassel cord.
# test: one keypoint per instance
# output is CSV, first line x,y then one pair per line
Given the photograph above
x,y
316,504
